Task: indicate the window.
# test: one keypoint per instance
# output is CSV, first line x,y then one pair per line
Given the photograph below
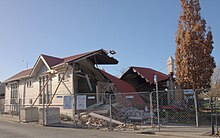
x,y
46,91
14,92
30,101
60,76
40,89
29,83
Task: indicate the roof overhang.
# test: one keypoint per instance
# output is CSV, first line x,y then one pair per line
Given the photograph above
x,y
100,57
16,79
139,74
19,76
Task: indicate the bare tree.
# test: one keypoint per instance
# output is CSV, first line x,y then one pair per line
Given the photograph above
x,y
215,84
216,77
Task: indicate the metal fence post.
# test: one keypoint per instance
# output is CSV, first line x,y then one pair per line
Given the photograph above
x,y
110,111
216,115
151,109
158,112
196,109
212,121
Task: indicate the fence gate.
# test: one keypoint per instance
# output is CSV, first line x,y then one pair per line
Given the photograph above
x,y
175,108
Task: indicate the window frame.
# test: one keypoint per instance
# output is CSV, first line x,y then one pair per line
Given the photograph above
x,y
29,83
65,76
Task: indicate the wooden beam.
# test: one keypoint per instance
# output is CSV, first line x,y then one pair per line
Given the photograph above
x,y
57,87
66,87
105,118
42,90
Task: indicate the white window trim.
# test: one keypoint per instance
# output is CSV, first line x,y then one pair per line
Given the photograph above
x,y
65,77
29,81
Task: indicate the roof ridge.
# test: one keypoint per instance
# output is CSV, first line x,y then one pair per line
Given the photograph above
x,y
148,74
79,54
151,70
50,56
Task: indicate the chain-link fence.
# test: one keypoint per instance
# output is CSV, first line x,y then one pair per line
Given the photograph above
x,y
114,110
2,107
12,106
178,111
140,109
208,107
175,108
133,109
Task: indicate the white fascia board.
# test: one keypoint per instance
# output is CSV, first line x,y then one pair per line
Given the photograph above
x,y
141,75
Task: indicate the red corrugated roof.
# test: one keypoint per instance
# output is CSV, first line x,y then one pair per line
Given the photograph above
x,y
20,75
123,87
148,74
79,56
52,61
71,58
55,61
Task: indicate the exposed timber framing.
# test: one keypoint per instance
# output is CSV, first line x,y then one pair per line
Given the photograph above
x,y
40,93
57,88
66,87
74,89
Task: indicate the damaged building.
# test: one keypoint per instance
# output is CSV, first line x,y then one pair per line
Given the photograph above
x,y
142,79
53,81
125,93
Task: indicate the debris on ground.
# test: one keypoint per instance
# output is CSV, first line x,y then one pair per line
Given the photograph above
x,y
131,114
97,121
94,120
123,117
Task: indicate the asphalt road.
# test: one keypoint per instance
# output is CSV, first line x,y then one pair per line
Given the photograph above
x,y
15,130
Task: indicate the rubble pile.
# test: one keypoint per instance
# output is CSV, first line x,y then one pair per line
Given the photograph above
x,y
131,114
91,122
121,115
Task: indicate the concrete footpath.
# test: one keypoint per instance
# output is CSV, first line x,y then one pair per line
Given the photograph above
x,y
180,132
8,117
186,132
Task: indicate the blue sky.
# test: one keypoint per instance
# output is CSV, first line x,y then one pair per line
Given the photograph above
x,y
142,32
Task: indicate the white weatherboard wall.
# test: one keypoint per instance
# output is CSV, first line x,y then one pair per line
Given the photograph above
x,y
29,94
32,92
62,91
